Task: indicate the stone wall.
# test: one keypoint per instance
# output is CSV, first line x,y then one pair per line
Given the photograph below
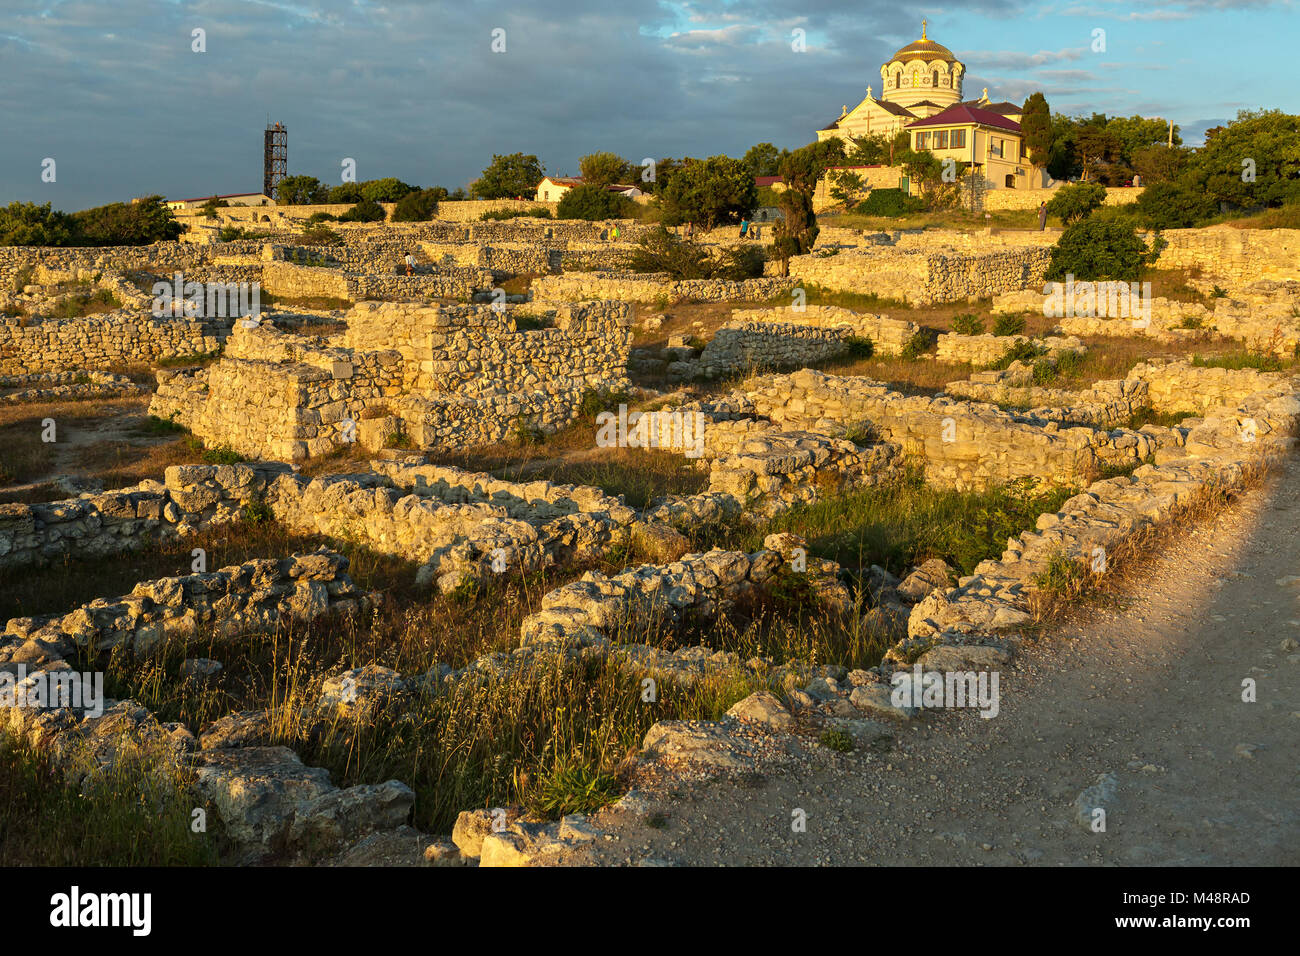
x,y
444,376
999,199
259,595
987,349
100,342
959,444
1233,256
924,277
295,281
656,287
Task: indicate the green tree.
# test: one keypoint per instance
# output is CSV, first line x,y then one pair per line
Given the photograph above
x,y
509,177
796,230
604,169
1072,203
27,224
1174,206
803,167
127,224
348,192
1160,164
365,211
1254,161
764,159
301,191
1138,132
389,189
1097,146
1036,127
1063,161
708,191
593,202
1097,248
418,206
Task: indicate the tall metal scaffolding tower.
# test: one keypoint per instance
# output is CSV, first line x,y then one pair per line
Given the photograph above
x,y
275,158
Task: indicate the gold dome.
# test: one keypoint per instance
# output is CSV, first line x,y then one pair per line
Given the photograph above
x,y
923,49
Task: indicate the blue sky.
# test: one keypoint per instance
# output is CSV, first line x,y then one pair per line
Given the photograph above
x,y
113,92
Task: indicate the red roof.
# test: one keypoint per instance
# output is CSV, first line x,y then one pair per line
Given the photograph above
x,y
767,180
961,114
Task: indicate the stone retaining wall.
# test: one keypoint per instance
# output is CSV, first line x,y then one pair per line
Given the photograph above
x,y
656,287
924,277
100,342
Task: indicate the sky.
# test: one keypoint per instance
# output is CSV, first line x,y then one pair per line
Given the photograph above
x,y
115,92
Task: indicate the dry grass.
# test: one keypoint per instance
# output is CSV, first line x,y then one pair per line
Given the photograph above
x,y
129,451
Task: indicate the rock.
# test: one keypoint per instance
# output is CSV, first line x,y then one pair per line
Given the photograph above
x,y
660,543
965,657
886,621
258,790
932,574
346,814
443,853
243,729
765,709
700,744
876,700
469,831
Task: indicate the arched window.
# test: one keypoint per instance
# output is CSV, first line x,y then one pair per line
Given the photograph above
x,y
936,77
898,79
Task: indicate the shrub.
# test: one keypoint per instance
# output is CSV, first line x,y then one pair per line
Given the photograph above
x,y
1076,202
1098,249
916,346
1009,325
593,203
418,206
321,217
235,233
836,740
319,234
888,202
536,212
365,211
860,346
1174,206
968,324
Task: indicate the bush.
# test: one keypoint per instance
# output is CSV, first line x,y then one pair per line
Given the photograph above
x,y
916,346
536,212
1098,249
365,211
1008,325
1073,203
319,234
860,346
320,217
1174,206
661,251
418,206
888,202
27,224
593,203
235,233
968,324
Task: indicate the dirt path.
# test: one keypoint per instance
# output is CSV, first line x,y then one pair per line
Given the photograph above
x,y
1150,692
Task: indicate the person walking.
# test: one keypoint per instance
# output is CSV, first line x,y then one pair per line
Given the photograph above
x,y
410,263
744,228
1042,215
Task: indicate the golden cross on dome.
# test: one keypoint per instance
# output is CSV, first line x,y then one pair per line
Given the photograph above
x,y
923,23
